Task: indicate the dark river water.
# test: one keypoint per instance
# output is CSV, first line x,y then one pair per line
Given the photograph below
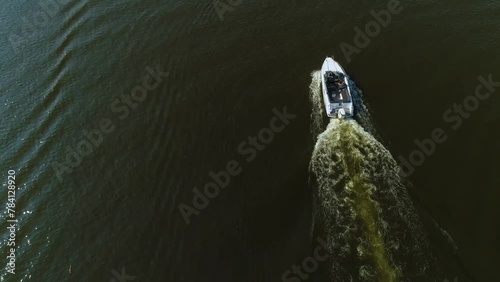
x,y
116,114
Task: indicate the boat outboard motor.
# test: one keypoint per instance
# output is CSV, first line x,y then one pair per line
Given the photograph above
x,y
341,113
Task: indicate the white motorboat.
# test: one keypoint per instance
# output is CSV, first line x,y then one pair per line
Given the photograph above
x,y
336,92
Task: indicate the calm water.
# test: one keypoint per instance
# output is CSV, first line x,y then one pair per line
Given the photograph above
x,y
218,80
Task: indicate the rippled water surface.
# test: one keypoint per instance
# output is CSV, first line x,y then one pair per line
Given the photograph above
x,y
69,67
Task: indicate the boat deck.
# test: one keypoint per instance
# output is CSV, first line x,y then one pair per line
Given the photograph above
x,y
341,96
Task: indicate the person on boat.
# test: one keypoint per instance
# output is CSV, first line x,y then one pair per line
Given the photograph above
x,y
339,81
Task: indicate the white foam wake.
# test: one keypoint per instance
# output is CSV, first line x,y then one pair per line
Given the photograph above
x,y
361,205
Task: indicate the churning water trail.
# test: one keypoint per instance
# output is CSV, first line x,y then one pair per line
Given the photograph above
x,y
361,206
317,114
